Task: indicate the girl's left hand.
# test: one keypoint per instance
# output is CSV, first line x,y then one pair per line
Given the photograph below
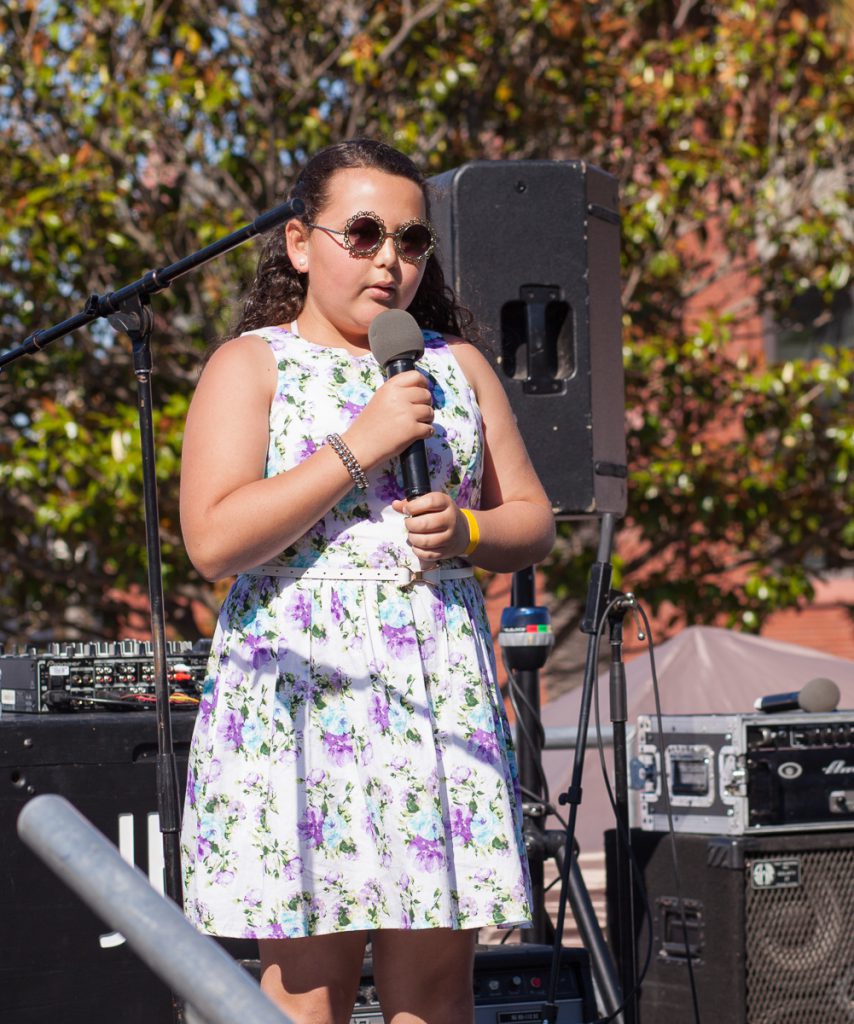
x,y
437,528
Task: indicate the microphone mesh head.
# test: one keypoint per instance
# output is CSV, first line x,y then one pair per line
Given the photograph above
x,y
395,334
819,695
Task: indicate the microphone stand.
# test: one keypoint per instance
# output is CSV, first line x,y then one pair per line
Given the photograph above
x,y
601,600
129,310
619,605
526,638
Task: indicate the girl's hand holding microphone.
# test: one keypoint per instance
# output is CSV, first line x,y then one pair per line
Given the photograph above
x,y
400,412
437,528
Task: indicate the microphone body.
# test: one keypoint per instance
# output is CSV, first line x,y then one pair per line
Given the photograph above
x,y
778,702
413,460
816,695
396,342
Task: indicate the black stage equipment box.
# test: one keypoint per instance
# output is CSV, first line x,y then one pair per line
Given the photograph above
x,y
58,961
742,773
768,919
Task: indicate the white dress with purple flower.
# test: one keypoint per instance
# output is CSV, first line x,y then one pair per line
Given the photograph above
x,y
351,765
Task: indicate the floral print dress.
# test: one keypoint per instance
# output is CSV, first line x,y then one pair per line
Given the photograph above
x,y
351,764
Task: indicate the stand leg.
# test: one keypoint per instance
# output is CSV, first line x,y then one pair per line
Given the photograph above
x,y
601,962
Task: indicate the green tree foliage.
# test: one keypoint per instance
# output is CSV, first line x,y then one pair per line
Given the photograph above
x,y
133,133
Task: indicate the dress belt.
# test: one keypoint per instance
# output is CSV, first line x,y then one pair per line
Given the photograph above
x,y
403,576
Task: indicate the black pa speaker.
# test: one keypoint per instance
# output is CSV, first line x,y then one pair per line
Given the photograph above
x,y
532,248
768,920
58,960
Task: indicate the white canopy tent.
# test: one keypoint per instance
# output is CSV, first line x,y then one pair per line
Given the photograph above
x,y
702,670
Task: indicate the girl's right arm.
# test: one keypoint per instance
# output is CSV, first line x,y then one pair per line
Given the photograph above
x,y
234,518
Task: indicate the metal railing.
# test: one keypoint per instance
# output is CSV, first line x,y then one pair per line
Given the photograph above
x,y
213,987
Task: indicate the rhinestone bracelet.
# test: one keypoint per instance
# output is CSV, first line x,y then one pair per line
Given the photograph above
x,y
349,459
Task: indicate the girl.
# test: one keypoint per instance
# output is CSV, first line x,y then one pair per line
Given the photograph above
x,y
351,773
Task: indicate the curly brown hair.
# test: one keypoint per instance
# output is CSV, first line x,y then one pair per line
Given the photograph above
x,y
277,293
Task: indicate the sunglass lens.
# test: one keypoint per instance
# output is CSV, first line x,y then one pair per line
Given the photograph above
x,y
364,234
415,241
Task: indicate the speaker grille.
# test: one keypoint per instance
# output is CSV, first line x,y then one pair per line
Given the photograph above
x,y
800,938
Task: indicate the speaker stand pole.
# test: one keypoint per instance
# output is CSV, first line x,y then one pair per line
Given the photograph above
x,y
525,663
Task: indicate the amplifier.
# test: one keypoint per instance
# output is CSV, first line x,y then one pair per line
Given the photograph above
x,y
111,676
743,773
767,924
510,985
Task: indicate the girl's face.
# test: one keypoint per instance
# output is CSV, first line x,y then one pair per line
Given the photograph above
x,y
345,292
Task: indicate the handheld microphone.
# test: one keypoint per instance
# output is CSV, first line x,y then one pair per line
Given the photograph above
x,y
816,695
396,342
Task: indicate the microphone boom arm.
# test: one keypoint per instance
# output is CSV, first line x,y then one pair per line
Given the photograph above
x,y
153,281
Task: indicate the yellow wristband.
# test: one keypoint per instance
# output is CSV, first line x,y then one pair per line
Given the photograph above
x,y
474,531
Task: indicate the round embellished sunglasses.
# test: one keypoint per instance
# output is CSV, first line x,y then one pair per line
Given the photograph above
x,y
365,232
